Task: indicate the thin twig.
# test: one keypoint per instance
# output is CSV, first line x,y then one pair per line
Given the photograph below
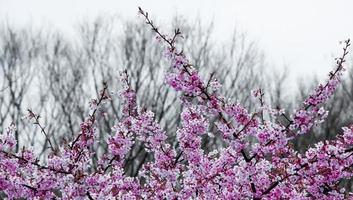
x,y
36,122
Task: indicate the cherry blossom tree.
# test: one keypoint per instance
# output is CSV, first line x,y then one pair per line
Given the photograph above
x,y
268,168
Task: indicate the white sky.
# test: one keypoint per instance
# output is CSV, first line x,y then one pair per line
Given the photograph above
x,y
302,34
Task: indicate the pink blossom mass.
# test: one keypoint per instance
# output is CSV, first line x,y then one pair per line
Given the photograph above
x,y
256,162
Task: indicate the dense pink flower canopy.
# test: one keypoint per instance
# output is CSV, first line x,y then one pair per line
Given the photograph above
x,y
268,168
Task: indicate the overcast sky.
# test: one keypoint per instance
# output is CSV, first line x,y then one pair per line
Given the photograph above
x,y
302,34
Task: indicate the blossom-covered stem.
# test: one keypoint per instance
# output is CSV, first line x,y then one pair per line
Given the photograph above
x,y
304,118
20,158
103,96
246,125
186,66
339,67
155,29
171,44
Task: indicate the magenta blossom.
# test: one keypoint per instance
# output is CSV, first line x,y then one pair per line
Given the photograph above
x,y
257,160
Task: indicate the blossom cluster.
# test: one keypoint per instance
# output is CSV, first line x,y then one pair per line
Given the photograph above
x,y
256,162
310,114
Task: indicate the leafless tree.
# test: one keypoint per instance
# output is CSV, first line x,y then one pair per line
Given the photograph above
x,y
18,52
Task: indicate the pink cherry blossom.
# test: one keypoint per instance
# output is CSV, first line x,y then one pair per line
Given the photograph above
x,y
257,160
